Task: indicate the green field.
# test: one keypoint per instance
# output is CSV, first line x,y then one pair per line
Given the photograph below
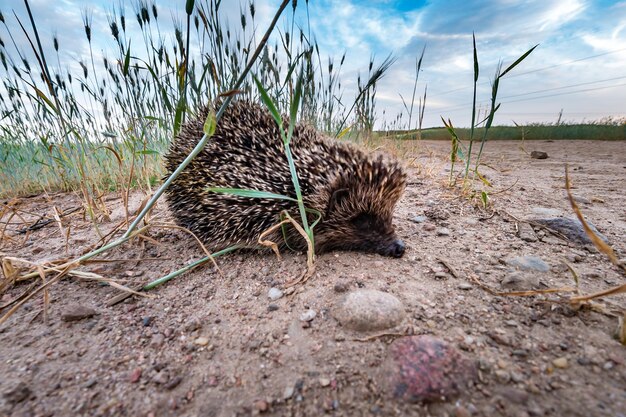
x,y
591,131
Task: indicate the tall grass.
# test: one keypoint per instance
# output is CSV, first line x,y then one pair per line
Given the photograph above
x,y
459,151
102,124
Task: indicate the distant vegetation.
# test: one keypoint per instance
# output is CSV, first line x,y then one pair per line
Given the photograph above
x,y
602,130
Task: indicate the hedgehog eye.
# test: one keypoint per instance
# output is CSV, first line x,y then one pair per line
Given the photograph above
x,y
363,221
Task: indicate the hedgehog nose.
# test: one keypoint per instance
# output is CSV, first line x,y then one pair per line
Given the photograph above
x,y
397,248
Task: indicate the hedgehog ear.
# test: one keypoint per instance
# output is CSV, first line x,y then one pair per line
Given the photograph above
x,y
336,198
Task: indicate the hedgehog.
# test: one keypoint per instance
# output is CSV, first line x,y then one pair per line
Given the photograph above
x,y
352,193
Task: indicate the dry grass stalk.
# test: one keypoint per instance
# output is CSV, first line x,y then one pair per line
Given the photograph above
x,y
11,272
597,242
310,261
620,332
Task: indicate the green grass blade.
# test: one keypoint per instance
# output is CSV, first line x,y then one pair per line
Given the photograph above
x,y
520,59
242,192
295,104
127,61
269,103
187,268
210,124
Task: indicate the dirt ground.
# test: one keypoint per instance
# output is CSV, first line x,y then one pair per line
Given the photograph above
x,y
207,344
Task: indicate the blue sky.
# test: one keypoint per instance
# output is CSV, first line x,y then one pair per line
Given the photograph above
x,y
579,66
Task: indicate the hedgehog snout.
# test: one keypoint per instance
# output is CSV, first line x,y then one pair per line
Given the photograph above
x,y
395,249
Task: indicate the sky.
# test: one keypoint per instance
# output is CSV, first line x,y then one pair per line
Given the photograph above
x,y
578,70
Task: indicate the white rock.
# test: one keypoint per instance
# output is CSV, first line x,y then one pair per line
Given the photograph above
x,y
274,293
308,315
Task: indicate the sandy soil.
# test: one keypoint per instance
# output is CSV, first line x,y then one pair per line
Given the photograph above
x,y
207,344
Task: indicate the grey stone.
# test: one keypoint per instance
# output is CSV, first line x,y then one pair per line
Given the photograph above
x,y
526,232
529,263
78,312
544,212
538,155
308,315
571,228
520,281
368,310
419,219
274,294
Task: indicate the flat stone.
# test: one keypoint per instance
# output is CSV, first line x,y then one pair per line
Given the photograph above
x,y
529,263
425,369
526,232
369,310
419,219
538,155
520,281
78,312
571,228
544,212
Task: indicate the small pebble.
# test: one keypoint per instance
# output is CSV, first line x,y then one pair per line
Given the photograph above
x,y
201,341
538,155
465,286
272,307
503,376
324,382
308,315
135,375
440,275
274,294
444,231
173,382
288,393
92,382
161,378
560,363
